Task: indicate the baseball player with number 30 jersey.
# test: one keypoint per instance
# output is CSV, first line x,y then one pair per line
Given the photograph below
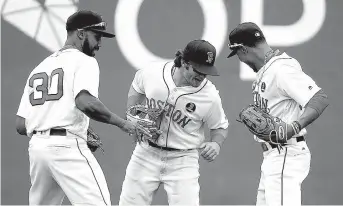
x,y
190,101
60,95
285,91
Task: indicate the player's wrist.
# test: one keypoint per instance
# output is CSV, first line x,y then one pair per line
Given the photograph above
x,y
117,121
219,144
296,127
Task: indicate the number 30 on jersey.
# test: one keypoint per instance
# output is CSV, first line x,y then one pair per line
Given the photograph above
x,y
47,89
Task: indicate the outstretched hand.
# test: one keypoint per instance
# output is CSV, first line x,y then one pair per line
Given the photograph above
x,y
136,130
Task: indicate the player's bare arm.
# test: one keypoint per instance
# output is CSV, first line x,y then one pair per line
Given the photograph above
x,y
20,125
134,98
96,110
219,135
211,149
314,109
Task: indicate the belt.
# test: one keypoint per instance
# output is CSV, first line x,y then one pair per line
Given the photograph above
x,y
265,147
166,148
53,132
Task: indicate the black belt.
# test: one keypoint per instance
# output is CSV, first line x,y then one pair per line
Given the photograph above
x,y
265,147
55,132
166,148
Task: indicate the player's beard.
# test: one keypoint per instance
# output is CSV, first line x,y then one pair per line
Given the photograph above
x,y
86,48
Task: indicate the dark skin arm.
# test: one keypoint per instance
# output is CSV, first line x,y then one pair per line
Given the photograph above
x,y
314,108
96,110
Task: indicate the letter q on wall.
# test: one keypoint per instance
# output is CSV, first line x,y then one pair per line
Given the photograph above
x,y
126,17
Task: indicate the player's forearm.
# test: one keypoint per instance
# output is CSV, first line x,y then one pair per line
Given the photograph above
x,y
218,135
309,116
96,110
313,109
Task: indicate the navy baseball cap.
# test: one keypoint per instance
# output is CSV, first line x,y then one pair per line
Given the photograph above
x,y
202,54
88,20
245,34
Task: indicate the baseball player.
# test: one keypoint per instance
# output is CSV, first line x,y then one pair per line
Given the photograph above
x,y
285,91
60,96
190,101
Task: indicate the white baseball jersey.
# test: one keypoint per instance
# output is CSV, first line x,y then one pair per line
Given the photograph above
x,y
283,88
49,94
187,108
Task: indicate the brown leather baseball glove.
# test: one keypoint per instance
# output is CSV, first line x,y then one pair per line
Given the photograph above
x,y
263,125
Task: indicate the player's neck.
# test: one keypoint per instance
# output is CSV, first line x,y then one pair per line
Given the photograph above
x,y
70,44
263,56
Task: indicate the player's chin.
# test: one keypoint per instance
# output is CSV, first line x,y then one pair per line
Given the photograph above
x,y
197,82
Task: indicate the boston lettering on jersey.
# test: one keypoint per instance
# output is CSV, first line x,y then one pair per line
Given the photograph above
x,y
258,100
177,115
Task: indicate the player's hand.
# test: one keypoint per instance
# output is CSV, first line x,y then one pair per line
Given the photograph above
x,y
210,150
135,130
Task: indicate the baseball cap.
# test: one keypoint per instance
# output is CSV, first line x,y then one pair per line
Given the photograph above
x,y
202,54
88,20
245,34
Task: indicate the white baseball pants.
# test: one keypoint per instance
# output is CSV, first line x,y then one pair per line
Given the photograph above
x,y
282,174
149,167
63,165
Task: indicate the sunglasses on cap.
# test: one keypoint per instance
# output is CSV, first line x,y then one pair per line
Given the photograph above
x,y
235,46
101,25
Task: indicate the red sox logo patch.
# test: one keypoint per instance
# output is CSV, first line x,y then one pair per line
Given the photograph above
x,y
210,57
190,107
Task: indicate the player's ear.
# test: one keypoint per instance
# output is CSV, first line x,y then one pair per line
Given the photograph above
x,y
80,33
184,64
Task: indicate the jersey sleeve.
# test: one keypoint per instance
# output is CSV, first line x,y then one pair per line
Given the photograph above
x,y
25,105
138,81
216,117
87,77
294,83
